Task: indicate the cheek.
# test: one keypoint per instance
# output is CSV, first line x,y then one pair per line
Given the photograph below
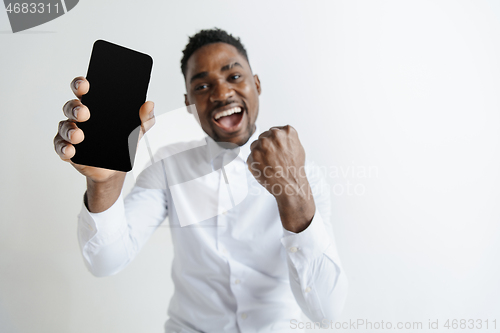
x,y
252,98
201,106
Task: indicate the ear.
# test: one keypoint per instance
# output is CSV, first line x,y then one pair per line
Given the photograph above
x,y
257,82
186,101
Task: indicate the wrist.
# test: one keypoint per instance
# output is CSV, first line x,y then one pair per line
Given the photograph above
x,y
102,194
296,211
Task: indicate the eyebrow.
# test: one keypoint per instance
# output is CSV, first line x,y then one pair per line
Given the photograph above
x,y
231,65
201,75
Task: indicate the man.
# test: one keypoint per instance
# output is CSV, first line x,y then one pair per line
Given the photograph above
x,y
253,265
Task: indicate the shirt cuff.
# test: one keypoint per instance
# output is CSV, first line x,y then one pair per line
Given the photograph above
x,y
104,226
308,244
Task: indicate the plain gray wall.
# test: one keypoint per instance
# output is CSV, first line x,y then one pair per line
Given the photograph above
x,y
407,88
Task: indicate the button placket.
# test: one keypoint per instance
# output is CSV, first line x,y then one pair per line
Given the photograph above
x,y
221,221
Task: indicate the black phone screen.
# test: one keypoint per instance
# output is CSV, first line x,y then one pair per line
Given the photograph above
x,y
119,79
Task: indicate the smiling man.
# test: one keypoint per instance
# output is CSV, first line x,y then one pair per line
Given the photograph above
x,y
229,113
251,267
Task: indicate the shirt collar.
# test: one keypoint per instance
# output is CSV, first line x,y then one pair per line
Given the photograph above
x,y
214,149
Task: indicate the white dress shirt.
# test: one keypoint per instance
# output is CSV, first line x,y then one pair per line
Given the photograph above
x,y
235,269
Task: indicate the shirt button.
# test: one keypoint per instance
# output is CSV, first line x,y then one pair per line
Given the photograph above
x,y
308,289
244,316
237,281
224,251
224,212
293,249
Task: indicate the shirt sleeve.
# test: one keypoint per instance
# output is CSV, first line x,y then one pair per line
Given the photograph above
x,y
317,279
110,240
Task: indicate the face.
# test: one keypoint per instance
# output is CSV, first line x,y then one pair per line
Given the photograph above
x,y
226,93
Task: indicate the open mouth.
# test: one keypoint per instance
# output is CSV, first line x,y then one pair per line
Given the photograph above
x,y
229,120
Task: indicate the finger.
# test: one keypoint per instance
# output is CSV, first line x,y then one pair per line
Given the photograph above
x,y
253,144
70,132
265,134
276,128
290,129
80,86
147,115
250,164
76,111
249,161
64,149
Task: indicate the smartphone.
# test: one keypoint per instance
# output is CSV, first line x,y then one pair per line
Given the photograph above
x,y
119,79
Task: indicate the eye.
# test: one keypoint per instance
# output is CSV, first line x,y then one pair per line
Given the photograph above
x,y
235,76
200,87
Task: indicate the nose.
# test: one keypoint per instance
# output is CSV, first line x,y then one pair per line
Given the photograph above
x,y
221,91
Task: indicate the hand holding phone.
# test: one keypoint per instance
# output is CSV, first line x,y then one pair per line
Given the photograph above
x,y
119,79
74,131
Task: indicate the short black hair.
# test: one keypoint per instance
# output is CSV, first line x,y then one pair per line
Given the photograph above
x,y
210,36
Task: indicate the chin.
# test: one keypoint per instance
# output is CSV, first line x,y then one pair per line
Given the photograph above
x,y
239,138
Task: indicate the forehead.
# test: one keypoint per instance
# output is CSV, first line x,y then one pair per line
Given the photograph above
x,y
213,57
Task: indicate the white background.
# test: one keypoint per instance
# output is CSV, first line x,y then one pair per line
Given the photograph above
x,y
410,88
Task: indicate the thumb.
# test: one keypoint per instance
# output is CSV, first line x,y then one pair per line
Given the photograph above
x,y
146,113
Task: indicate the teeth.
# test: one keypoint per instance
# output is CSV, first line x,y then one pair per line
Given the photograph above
x,y
227,112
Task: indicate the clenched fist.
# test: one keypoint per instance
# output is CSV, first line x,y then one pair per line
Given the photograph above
x,y
277,161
